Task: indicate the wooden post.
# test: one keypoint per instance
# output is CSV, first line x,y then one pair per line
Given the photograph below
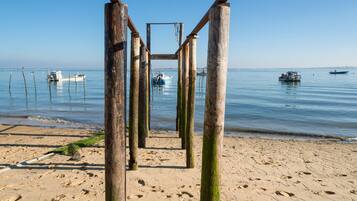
x,y
179,83
147,103
184,96
35,86
142,99
148,43
215,101
134,101
116,21
190,130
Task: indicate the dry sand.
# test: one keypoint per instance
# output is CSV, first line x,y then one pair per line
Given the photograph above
x,y
253,169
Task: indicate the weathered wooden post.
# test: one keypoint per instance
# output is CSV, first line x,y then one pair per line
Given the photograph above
x,y
147,92
179,63
179,83
116,21
215,101
134,101
190,130
148,44
35,85
25,83
142,98
184,91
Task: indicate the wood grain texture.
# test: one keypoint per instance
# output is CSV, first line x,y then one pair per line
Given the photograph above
x,y
190,129
184,93
134,101
215,102
115,60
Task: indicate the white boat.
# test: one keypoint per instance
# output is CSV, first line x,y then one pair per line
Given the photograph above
x,y
160,79
56,76
290,76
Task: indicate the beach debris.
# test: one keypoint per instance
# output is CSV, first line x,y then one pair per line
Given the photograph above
x,y
330,192
284,193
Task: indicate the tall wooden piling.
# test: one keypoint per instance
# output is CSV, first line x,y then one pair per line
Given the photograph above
x,y
143,131
148,44
190,130
179,83
215,101
116,19
134,101
147,103
184,94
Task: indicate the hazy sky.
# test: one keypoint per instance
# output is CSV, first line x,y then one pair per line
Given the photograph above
x,y
264,33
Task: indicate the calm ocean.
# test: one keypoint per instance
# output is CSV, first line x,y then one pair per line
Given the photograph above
x,y
321,104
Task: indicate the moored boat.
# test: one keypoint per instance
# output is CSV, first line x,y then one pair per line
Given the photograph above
x,y
290,76
335,72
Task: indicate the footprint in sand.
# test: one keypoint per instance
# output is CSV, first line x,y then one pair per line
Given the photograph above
x,y
134,196
141,182
284,193
185,193
353,192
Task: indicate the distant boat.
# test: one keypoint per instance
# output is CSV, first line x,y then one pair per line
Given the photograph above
x,y
290,76
160,79
56,76
338,72
202,73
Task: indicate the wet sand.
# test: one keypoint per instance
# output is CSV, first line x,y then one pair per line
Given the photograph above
x,y
253,168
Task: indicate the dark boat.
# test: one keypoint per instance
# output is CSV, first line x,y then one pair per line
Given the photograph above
x,y
338,72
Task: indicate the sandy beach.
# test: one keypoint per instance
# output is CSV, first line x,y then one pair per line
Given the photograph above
x,y
253,168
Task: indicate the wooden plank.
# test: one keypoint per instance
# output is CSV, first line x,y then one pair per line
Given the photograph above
x,y
163,57
213,131
116,18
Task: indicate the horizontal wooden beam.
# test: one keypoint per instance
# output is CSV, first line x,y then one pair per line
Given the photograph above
x,y
133,29
163,57
200,24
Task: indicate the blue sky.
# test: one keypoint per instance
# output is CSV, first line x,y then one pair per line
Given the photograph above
x,y
264,33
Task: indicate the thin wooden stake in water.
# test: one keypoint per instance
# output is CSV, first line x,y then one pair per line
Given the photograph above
x,y
34,84
215,102
69,86
134,101
190,130
116,23
25,83
10,83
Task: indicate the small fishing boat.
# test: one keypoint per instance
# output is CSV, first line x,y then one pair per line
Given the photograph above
x,y
202,73
56,76
335,72
290,76
160,79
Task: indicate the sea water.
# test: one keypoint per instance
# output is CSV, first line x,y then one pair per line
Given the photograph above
x,y
322,104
